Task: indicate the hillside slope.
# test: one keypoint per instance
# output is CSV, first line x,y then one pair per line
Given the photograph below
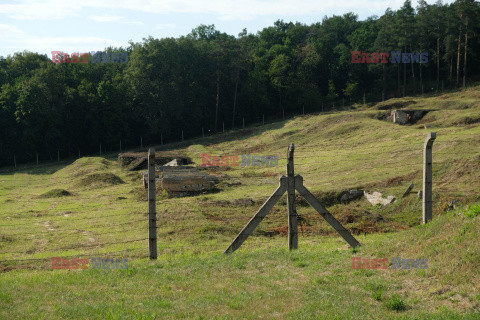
x,y
95,208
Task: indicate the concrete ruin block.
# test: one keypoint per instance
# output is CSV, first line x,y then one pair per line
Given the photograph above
x,y
376,198
400,117
403,117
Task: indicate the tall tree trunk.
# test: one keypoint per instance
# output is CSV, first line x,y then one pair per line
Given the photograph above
x,y
383,84
404,74
451,69
458,55
438,60
420,74
280,101
413,72
218,99
398,79
465,59
234,103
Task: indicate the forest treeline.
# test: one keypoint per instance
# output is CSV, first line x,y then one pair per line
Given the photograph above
x,y
209,79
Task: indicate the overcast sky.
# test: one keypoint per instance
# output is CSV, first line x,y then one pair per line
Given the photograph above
x,y
92,25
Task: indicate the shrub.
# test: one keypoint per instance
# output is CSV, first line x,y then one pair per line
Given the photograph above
x,y
395,303
472,211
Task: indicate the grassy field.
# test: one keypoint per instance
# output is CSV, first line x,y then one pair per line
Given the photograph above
x,y
95,208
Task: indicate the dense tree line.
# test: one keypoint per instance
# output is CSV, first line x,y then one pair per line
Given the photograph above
x,y
208,78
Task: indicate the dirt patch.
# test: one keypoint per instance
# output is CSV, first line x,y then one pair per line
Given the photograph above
x,y
100,179
55,193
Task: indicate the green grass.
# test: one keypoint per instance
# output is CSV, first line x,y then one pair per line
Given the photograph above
x,y
472,211
105,215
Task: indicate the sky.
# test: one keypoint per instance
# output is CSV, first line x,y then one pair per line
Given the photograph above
x,y
92,25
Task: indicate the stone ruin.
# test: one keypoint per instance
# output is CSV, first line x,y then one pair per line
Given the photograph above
x,y
404,117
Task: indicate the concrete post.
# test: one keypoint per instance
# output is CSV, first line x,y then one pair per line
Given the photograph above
x,y
427,177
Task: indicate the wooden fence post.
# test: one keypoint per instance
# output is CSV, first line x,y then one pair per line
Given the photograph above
x,y
152,216
427,177
292,213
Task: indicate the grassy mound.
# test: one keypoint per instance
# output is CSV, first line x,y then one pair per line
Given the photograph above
x,y
55,193
84,166
100,179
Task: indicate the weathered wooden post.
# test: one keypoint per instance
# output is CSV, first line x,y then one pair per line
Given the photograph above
x,y
152,216
292,213
427,177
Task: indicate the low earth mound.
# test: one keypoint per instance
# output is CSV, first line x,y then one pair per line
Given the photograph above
x,y
55,193
100,180
83,166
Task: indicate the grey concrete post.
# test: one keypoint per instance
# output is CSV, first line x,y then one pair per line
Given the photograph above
x,y
427,177
292,212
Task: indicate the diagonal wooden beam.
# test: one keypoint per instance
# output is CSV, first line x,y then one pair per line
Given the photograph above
x,y
324,212
258,217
